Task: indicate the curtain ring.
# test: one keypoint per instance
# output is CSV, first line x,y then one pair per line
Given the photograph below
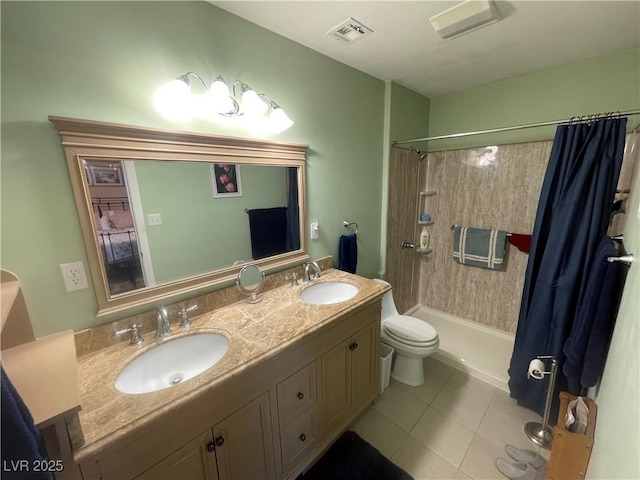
x,y
572,119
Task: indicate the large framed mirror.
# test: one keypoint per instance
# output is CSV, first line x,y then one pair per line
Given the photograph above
x,y
164,213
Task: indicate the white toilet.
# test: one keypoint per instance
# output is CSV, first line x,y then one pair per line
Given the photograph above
x,y
413,339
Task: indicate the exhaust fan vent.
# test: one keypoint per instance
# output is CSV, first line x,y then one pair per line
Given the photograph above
x,y
349,31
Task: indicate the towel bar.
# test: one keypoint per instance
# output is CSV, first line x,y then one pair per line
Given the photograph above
x,y
455,225
348,224
625,259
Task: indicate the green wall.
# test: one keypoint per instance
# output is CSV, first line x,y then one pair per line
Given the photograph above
x,y
597,85
406,116
409,113
200,233
103,61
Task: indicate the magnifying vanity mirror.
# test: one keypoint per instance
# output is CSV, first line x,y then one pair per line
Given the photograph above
x,y
165,213
250,281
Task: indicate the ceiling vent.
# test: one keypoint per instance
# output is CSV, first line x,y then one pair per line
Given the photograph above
x,y
349,31
465,17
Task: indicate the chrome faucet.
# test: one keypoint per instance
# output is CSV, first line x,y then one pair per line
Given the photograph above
x,y
164,325
316,272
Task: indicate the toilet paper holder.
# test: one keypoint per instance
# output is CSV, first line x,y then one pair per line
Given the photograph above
x,y
540,433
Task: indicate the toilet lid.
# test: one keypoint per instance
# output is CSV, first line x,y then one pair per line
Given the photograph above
x,y
410,330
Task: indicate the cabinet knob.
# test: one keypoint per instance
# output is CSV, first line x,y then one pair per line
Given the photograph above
x,y
303,437
300,395
211,447
219,441
353,346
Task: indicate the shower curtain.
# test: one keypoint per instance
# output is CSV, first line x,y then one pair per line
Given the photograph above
x,y
573,213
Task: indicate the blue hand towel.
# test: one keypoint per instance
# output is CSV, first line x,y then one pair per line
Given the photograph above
x,y
268,230
348,253
479,247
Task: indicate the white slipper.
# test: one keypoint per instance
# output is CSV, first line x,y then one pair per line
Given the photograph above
x,y
516,471
527,456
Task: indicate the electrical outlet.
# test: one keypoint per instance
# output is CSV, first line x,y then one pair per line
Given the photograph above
x,y
74,276
154,219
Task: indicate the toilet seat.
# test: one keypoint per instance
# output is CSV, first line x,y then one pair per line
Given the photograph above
x,y
410,331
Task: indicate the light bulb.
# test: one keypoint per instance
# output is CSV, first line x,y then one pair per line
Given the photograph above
x,y
279,121
220,97
252,104
173,100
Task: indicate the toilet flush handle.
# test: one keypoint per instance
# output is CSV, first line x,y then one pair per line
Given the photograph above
x,y
406,245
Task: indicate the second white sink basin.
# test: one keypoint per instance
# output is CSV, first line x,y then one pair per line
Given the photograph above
x,y
327,293
172,362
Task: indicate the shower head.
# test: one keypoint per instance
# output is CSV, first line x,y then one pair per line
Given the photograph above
x,y
421,155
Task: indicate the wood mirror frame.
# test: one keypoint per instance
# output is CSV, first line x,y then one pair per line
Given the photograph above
x,y
86,139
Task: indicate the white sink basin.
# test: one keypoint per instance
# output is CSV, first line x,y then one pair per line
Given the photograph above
x,y
172,362
327,293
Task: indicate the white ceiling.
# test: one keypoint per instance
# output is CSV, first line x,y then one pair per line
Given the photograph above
x,y
405,48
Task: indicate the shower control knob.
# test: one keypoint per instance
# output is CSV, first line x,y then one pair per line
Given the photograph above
x,y
406,245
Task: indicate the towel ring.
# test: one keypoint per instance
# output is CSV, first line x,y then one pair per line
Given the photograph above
x,y
350,225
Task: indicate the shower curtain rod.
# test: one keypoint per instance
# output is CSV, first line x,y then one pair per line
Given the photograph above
x,y
520,127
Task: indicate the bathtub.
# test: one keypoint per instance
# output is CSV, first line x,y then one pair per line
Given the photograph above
x,y
476,349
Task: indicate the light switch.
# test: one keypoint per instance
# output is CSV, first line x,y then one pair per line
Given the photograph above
x,y
314,229
154,219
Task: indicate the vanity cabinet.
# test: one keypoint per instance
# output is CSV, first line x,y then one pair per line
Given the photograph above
x,y
239,447
348,375
289,416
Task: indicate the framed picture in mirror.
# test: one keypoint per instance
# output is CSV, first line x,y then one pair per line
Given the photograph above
x,y
106,176
226,180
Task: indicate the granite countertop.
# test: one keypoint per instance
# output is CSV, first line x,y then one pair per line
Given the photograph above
x,y
256,332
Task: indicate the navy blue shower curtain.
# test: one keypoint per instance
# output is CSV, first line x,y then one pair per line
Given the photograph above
x,y
573,213
293,208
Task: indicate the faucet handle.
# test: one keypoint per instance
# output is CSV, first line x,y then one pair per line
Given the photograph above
x,y
184,318
136,338
294,279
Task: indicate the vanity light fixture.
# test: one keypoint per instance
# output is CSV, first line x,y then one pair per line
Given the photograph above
x,y
175,100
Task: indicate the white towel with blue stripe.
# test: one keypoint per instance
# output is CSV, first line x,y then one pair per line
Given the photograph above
x,y
479,247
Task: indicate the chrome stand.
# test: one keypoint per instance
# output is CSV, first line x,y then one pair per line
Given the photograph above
x,y
540,433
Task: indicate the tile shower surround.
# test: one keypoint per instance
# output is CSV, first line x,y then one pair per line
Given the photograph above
x,y
489,187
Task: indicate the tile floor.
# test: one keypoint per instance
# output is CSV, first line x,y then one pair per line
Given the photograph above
x,y
452,427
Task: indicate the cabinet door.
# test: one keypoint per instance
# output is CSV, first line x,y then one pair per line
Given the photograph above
x,y
336,391
194,461
363,357
244,444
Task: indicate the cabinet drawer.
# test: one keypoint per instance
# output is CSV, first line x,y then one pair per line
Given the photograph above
x,y
297,394
297,439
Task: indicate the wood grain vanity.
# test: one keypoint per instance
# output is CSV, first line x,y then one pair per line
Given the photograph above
x,y
295,376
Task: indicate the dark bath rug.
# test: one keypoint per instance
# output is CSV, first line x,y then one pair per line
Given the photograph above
x,y
351,458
